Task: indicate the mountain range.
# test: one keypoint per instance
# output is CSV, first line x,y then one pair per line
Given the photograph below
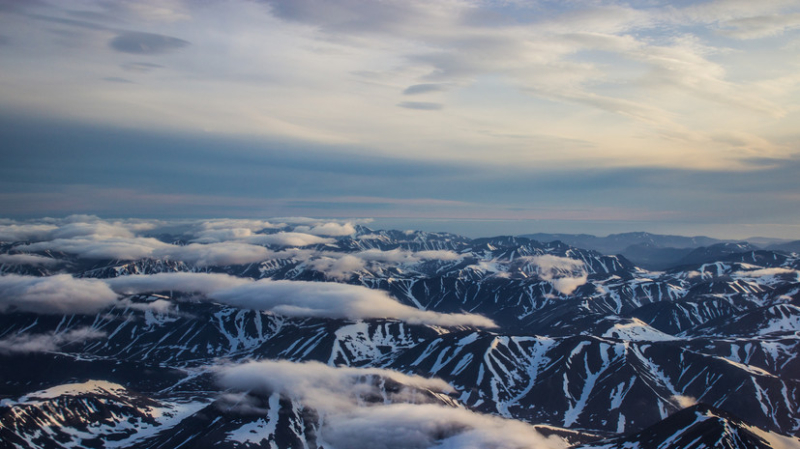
x,y
246,333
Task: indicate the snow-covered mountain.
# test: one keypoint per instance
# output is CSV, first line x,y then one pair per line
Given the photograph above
x,y
278,334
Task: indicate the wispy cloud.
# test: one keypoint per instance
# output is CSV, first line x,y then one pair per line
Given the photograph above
x,y
47,342
425,88
146,43
420,105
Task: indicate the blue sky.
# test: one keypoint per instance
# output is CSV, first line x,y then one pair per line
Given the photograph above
x,y
482,117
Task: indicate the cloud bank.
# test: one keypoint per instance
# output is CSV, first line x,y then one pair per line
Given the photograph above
x,y
214,254
60,294
294,298
331,229
330,300
203,283
27,259
358,414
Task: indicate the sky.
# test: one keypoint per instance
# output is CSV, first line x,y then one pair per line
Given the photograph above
x,y
471,116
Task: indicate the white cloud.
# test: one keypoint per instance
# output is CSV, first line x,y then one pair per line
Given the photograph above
x,y
47,342
684,401
158,306
441,254
399,426
760,26
293,298
229,229
352,418
97,230
221,235
61,294
134,248
74,226
329,229
203,283
567,285
563,273
341,267
287,239
401,256
119,248
23,232
766,272
214,254
27,259
314,382
551,265
331,300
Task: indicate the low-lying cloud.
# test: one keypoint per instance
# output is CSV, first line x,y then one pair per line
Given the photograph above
x,y
684,401
287,239
342,266
135,248
337,267
60,294
317,383
331,229
563,273
331,300
357,413
47,342
115,248
214,254
203,283
25,232
27,259
293,298
63,294
404,256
